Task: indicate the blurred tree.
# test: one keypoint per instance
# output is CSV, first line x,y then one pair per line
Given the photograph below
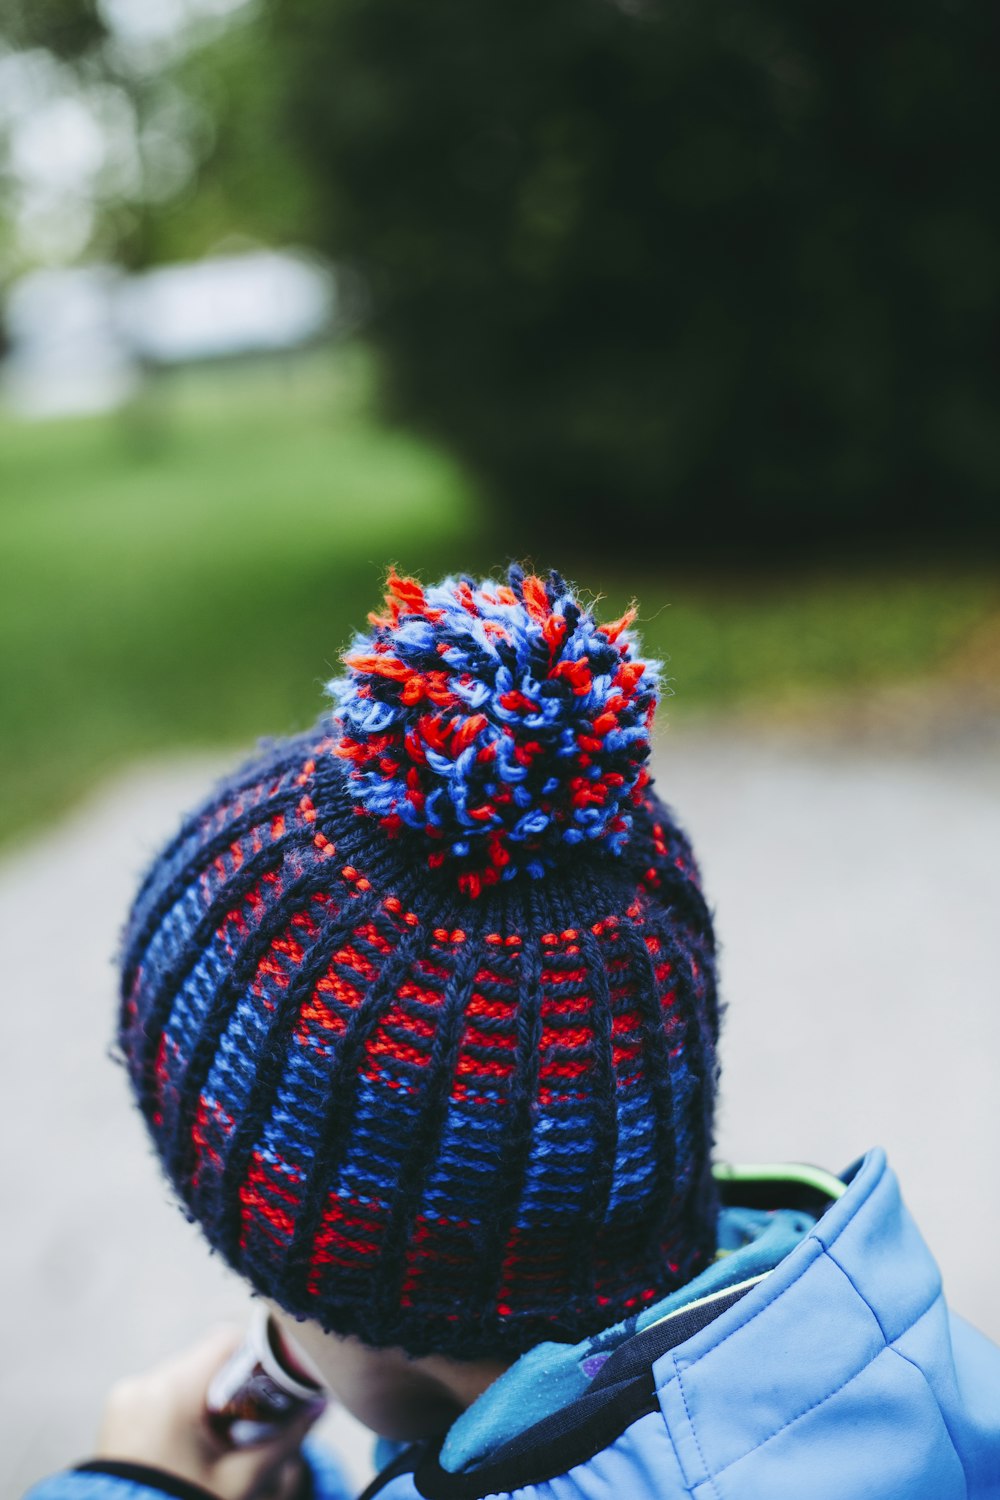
x,y
183,113
227,100
66,28
713,272
665,271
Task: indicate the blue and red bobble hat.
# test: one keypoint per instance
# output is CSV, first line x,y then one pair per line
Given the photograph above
x,y
420,1007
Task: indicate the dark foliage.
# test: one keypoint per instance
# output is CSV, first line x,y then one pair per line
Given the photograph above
x,y
66,28
722,270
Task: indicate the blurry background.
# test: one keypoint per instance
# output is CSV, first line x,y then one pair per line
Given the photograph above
x,y
698,302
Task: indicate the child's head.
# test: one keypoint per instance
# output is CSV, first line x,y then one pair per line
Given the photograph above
x,y
420,1006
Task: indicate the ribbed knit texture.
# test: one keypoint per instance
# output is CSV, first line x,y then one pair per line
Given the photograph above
x,y
453,1122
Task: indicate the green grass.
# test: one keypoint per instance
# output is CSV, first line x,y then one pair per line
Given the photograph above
x,y
184,574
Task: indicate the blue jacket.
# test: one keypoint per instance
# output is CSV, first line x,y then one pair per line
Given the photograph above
x,y
838,1375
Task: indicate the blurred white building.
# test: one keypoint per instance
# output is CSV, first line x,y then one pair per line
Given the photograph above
x,y
65,352
81,338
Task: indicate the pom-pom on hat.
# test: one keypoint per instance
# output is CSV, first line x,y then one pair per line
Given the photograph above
x,y
503,723
420,1006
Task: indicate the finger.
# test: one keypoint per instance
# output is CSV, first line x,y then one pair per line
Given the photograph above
x,y
186,1376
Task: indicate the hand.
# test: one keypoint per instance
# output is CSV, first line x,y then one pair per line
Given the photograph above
x,y
158,1419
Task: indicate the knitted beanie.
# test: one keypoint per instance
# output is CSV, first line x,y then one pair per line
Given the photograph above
x,y
420,1007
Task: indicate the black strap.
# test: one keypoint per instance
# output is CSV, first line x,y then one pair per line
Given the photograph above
x,y
145,1474
172,1484
567,1438
642,1351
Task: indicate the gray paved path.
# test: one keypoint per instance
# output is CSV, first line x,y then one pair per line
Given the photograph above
x,y
857,895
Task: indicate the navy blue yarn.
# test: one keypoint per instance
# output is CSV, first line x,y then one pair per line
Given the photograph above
x,y
168,983
701,1035
271,925
426,1140
171,883
160,1002
184,835
657,1067
341,1090
191,828
678,894
702,1027
524,1088
271,1070
605,1116
200,857
678,888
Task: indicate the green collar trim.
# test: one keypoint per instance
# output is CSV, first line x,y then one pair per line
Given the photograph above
x,y
788,1172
